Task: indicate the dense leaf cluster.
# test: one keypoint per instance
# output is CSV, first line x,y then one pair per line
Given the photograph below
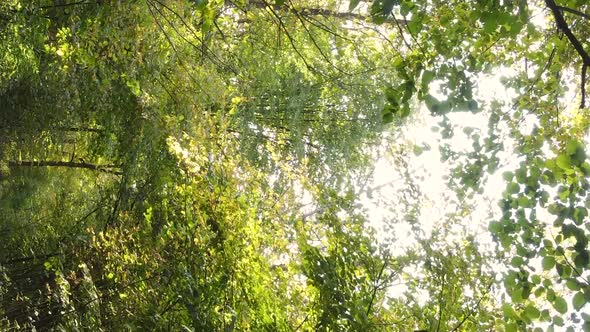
x,y
197,165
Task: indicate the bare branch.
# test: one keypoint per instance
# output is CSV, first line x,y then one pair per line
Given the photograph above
x,y
573,11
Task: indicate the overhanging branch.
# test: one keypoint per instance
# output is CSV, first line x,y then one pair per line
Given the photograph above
x,y
324,12
575,12
562,25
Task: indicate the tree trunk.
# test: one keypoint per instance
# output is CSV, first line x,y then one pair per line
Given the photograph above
x,y
111,169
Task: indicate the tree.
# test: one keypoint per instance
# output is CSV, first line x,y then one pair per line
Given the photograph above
x,y
539,77
138,181
192,165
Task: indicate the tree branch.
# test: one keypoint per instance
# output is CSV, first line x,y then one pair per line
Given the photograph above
x,y
573,11
29,258
79,129
375,288
306,11
562,25
291,41
83,2
69,164
583,86
472,310
315,43
440,302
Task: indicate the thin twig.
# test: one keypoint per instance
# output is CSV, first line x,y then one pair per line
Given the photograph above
x,y
532,85
375,288
401,33
472,310
291,41
200,40
180,61
317,46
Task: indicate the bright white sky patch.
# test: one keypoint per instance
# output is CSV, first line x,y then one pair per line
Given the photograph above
x,y
430,173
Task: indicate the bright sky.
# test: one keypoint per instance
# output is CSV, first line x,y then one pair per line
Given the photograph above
x,y
382,200
430,174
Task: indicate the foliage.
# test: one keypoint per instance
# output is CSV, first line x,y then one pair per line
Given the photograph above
x,y
196,165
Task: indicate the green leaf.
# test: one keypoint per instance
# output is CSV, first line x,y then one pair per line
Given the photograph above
x,y
419,149
508,176
509,312
392,95
517,295
513,188
521,175
579,214
572,284
511,327
405,7
524,202
517,261
47,265
555,208
563,161
548,263
387,118
432,103
579,301
495,227
560,305
564,271
201,4
532,312
388,6
472,105
583,257
427,77
573,147
134,86
405,111
416,22
490,23
380,10
353,4
444,107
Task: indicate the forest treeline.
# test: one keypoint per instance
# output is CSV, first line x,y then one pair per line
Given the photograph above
x,y
198,165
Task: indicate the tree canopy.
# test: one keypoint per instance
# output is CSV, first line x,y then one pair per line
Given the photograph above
x,y
204,165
